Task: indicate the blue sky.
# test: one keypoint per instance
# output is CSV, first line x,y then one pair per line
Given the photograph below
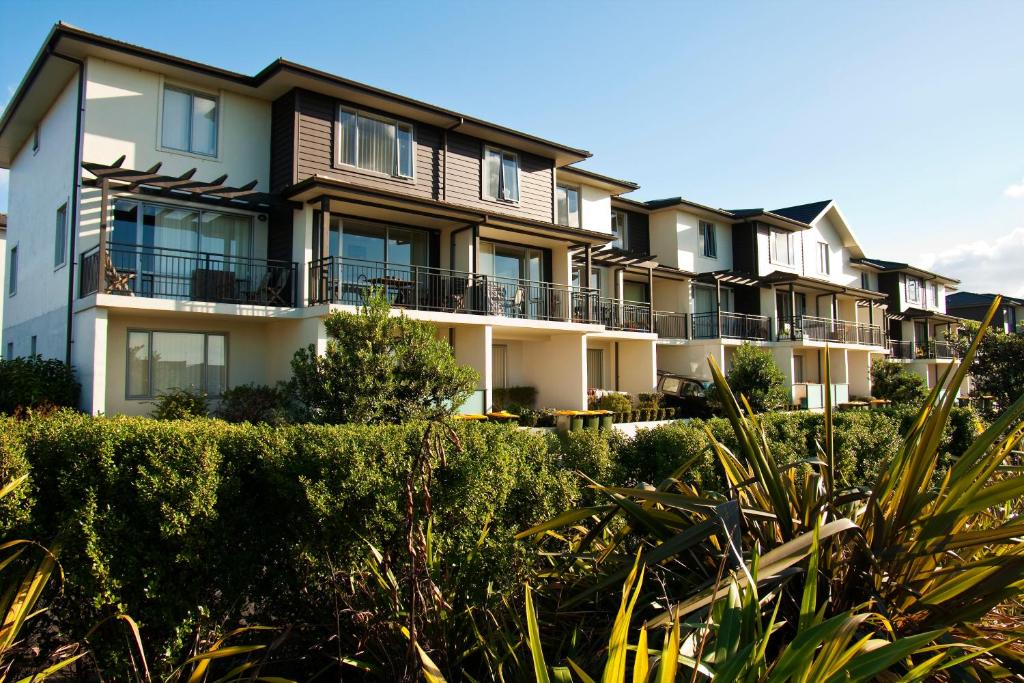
x,y
910,115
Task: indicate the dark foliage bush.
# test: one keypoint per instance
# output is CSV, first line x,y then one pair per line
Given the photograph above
x,y
180,404
892,381
34,382
509,397
615,402
255,403
754,374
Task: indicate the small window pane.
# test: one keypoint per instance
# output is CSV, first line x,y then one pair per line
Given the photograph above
x,y
177,111
492,172
405,151
562,204
60,239
376,145
347,138
510,177
177,361
573,197
138,364
12,277
216,364
204,125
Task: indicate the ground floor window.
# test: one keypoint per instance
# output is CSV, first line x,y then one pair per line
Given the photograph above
x,y
499,366
161,361
798,369
595,368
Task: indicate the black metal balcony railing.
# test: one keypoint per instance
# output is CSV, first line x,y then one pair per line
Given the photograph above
x,y
829,330
348,281
670,325
162,273
932,349
729,325
631,316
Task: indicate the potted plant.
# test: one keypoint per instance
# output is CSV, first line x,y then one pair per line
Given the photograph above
x,y
606,420
592,420
528,418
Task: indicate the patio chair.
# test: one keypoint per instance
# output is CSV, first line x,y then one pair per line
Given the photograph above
x,y
118,282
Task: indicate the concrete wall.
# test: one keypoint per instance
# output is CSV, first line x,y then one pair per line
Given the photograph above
x,y
638,366
595,209
675,239
557,367
40,182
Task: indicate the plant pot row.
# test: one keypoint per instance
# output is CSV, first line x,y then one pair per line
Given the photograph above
x,y
646,415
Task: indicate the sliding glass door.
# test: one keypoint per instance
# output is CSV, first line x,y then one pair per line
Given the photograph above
x,y
515,276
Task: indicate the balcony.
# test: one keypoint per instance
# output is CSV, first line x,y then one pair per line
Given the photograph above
x,y
670,325
162,273
629,316
828,330
929,350
729,325
339,280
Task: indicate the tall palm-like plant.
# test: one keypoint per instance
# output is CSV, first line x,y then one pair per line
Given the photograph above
x,y
905,561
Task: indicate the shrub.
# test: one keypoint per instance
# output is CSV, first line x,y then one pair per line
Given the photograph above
x,y
507,397
615,402
754,374
16,506
380,368
34,382
254,403
180,404
652,400
892,381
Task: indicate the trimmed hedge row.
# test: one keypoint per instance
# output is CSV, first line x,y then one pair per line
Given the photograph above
x,y
195,523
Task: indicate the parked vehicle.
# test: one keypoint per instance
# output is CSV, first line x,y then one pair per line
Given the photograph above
x,y
686,394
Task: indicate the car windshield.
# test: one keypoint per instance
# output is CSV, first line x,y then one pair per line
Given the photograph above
x,y
670,385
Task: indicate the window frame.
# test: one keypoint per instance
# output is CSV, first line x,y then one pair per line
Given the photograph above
x,y
60,238
918,284
192,94
12,270
501,151
702,239
397,123
568,187
149,379
865,280
773,251
621,234
824,259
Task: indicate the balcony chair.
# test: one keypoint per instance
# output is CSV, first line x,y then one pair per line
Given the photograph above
x,y
270,291
118,282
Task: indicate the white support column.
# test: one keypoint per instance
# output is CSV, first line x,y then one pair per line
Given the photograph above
x,y
473,348
89,358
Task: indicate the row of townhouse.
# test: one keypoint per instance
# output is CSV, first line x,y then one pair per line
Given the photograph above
x,y
173,224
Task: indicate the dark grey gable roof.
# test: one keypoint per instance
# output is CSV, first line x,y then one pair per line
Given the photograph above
x,y
959,299
805,213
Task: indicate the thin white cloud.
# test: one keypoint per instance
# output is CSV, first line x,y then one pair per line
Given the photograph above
x,y
995,265
1015,191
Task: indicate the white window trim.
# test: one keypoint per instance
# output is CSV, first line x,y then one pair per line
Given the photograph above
x,y
579,203
216,95
906,289
12,273
702,239
336,157
206,361
826,267
67,230
773,252
519,176
622,235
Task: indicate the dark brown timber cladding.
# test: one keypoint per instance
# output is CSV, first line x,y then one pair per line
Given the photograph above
x,y
464,182
282,142
316,115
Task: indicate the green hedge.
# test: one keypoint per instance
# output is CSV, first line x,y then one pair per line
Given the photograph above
x,y
189,524
186,525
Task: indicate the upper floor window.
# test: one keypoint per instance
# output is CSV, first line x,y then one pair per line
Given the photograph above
x,y
708,241
568,204
823,258
189,122
60,237
865,280
913,290
935,296
375,143
620,223
780,248
35,139
12,272
501,175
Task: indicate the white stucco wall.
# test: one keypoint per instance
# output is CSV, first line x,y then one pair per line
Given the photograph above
x,y
40,182
595,209
675,239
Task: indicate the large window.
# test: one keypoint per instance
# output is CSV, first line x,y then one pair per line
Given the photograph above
x,y
823,259
161,361
501,175
635,291
60,237
375,143
708,241
913,290
595,278
780,249
620,224
568,204
189,122
511,262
